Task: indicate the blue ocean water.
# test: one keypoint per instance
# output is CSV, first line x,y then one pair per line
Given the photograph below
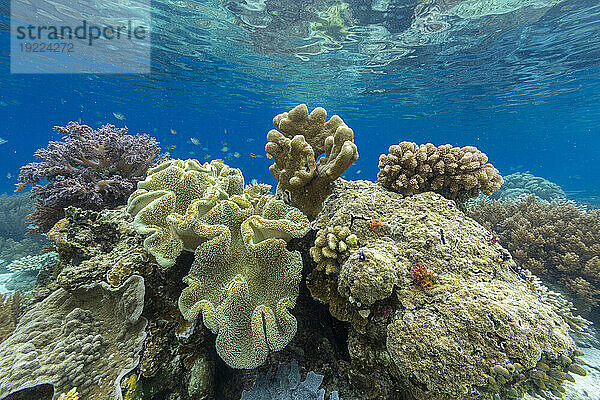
x,y
519,79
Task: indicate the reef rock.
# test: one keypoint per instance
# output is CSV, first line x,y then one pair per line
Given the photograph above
x,y
457,336
89,338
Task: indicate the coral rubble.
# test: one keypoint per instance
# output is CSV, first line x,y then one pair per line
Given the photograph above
x,y
297,143
243,279
438,342
89,338
458,173
90,169
557,242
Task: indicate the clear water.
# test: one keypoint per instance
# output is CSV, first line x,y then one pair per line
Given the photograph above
x,y
521,83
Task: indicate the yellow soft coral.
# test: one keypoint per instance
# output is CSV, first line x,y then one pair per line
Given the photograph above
x,y
243,279
297,143
70,395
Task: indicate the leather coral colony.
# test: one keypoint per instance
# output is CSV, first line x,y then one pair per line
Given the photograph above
x,y
238,236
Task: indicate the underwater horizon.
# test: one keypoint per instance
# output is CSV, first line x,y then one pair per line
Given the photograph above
x,y
426,273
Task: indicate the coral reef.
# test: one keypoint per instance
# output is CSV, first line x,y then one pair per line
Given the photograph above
x,y
333,246
438,342
458,173
557,242
239,243
90,169
25,270
14,241
580,327
89,338
33,263
10,308
94,246
524,183
295,146
286,384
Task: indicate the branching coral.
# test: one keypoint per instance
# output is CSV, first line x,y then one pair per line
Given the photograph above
x,y
296,145
455,172
333,246
557,242
91,169
33,263
243,279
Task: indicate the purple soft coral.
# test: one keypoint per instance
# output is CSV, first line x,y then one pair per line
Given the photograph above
x,y
90,169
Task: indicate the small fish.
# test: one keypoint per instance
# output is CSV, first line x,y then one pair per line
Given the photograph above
x,y
254,181
219,160
170,147
250,140
206,157
224,143
225,131
252,155
269,156
195,141
119,116
224,148
2,141
236,154
173,131
8,175
192,153
358,172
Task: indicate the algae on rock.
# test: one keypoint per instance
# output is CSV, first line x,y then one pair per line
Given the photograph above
x,y
442,341
89,338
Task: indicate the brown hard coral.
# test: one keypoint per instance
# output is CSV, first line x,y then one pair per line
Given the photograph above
x,y
556,241
456,172
296,145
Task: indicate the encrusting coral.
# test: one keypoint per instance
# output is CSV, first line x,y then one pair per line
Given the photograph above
x,y
438,342
458,173
243,279
297,143
89,338
90,169
557,242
